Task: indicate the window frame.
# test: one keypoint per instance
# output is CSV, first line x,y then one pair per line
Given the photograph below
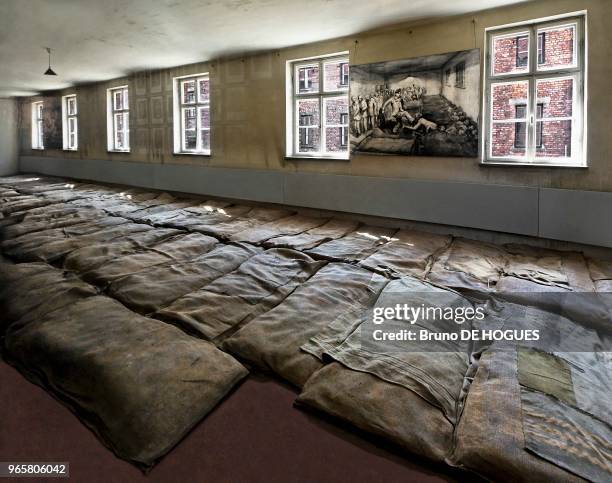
x,y
67,117
179,107
577,71
293,97
112,115
38,141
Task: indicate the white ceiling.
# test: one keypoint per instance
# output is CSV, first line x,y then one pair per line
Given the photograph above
x,y
95,40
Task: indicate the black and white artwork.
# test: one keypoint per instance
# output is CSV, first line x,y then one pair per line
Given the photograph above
x,y
52,122
424,106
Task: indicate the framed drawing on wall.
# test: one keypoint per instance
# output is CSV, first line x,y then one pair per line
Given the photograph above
x,y
52,122
424,106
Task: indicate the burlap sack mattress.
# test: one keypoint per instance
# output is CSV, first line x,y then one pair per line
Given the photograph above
x,y
291,294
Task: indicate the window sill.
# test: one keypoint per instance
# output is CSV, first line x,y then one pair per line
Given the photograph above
x,y
317,158
38,149
187,153
74,150
120,151
516,164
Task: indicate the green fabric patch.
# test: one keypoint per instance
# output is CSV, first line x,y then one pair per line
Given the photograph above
x,y
546,373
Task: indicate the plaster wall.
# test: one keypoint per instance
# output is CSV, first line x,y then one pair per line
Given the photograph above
x,y
8,137
248,106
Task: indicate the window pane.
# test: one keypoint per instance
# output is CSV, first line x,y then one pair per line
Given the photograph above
x,y
539,125
190,139
557,96
509,103
189,91
126,103
307,79
204,117
506,96
203,90
205,139
335,107
118,100
189,128
555,108
511,53
71,106
336,139
556,139
71,124
308,118
336,75
556,47
122,130
119,132
520,128
39,111
509,139
40,134
336,122
189,118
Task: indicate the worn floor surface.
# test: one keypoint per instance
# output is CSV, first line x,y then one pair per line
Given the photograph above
x,y
254,436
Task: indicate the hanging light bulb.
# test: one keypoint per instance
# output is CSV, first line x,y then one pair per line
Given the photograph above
x,y
49,71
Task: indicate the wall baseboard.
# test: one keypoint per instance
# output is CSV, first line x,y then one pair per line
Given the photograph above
x,y
566,215
576,216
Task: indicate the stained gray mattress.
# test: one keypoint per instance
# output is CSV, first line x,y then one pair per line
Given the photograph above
x,y
139,384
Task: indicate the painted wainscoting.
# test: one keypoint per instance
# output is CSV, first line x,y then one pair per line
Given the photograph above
x,y
567,215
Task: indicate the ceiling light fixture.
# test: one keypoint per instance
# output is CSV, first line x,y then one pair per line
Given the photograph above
x,y
49,71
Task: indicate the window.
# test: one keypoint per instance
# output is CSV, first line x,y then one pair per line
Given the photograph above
x,y
192,114
519,127
522,51
118,119
460,75
307,131
70,123
37,125
541,48
344,74
317,107
535,102
539,126
344,132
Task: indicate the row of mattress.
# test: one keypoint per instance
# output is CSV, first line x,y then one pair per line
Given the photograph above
x,y
134,308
